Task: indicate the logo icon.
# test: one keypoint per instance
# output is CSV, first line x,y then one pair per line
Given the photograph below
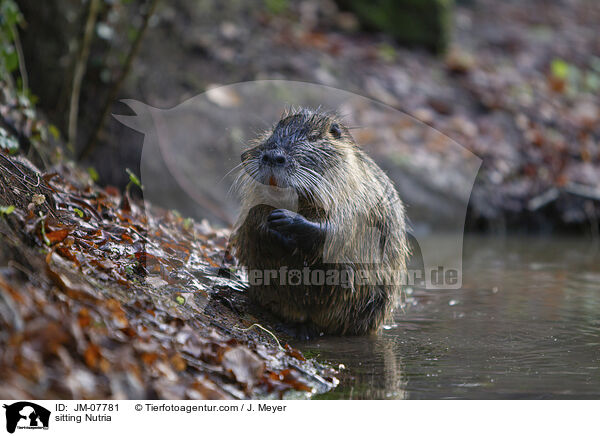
x,y
26,415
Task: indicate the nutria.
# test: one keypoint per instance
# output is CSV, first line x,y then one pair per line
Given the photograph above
x,y
327,223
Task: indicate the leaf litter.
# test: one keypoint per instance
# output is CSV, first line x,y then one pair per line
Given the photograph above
x,y
103,299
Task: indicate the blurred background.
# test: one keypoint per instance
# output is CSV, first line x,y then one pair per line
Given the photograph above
x,y
438,92
514,82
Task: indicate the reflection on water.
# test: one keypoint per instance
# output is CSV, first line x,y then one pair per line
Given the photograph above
x,y
526,324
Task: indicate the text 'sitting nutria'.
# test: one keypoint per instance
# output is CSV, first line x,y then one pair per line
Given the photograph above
x,y
314,203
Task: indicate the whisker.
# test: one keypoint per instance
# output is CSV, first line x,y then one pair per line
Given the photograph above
x,y
230,171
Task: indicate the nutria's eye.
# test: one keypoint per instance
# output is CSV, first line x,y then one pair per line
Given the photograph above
x,y
335,131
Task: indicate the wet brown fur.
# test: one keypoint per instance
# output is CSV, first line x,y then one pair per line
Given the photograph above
x,y
364,215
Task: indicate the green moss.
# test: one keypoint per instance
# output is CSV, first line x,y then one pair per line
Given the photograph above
x,y
424,23
276,7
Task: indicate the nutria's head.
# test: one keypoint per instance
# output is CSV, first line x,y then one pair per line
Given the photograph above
x,y
299,152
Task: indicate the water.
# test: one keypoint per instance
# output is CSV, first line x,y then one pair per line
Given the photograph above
x,y
526,324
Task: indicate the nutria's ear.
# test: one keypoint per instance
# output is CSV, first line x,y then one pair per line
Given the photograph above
x,y
335,130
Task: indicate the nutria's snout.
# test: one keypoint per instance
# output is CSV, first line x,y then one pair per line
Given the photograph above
x,y
273,169
273,158
269,164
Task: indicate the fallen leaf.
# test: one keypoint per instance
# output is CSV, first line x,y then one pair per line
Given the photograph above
x,y
246,367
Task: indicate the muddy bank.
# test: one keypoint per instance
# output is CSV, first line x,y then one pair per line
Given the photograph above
x,y
101,299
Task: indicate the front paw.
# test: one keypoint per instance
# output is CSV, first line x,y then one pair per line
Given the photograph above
x,y
293,229
287,222
281,225
284,243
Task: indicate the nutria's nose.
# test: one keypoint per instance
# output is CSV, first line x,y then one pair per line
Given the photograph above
x,y
273,158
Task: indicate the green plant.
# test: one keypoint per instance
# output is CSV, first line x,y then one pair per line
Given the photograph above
x,y
133,179
10,17
6,210
11,53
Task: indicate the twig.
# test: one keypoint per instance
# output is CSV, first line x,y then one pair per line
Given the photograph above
x,y
91,144
263,329
584,191
21,57
8,176
543,199
80,68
